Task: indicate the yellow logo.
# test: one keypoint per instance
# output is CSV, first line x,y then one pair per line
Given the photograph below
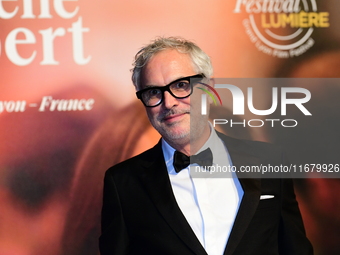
x,y
282,28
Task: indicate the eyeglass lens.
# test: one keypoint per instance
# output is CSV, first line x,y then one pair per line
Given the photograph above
x,y
178,89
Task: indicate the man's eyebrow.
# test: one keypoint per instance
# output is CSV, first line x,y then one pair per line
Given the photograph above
x,y
152,86
157,86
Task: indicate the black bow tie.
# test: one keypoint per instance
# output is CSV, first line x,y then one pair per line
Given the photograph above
x,y
181,161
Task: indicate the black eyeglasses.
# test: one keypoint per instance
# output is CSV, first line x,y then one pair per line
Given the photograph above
x,y
180,88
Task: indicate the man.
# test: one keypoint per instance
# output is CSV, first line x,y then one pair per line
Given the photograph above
x,y
152,206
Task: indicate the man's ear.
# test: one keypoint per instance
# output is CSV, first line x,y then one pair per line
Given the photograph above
x,y
211,82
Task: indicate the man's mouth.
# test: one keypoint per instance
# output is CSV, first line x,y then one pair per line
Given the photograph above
x,y
171,116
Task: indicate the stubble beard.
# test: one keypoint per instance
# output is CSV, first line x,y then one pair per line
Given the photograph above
x,y
180,132
175,131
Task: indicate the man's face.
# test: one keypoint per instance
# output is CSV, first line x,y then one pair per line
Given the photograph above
x,y
172,117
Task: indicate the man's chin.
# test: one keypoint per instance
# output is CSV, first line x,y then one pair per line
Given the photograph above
x,y
175,134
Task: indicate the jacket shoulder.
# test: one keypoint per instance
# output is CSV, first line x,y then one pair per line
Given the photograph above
x,y
246,143
254,148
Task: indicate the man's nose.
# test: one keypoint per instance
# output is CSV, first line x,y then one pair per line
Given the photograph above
x,y
169,101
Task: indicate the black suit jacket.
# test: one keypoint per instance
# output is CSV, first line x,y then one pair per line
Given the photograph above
x,y
140,214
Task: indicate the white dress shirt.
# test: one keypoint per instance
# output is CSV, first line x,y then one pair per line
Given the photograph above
x,y
209,204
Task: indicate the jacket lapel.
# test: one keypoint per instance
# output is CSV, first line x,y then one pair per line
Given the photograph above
x,y
157,184
251,189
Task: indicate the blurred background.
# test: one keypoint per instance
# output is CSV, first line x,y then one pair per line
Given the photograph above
x,y
56,57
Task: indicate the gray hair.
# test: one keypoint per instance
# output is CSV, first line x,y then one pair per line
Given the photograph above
x,y
200,59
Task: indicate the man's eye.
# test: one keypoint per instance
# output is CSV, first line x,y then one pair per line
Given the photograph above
x,y
182,85
154,92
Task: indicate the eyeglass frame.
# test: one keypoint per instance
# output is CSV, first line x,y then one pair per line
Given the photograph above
x,y
167,88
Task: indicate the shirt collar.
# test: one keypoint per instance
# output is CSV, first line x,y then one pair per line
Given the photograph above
x,y
213,143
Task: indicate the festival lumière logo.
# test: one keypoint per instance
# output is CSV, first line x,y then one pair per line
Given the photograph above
x,y
282,28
